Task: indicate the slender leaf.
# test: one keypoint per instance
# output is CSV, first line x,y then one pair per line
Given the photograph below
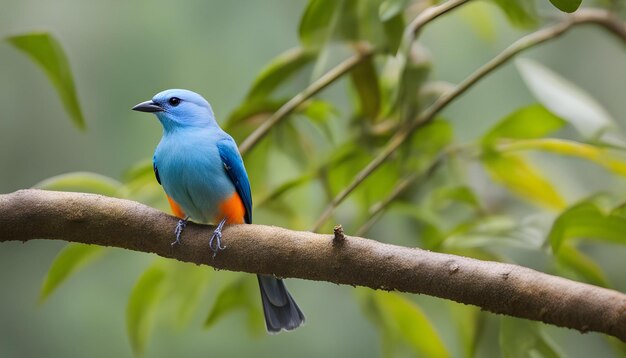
x,y
564,98
46,52
516,174
344,20
186,285
469,323
394,29
461,194
399,319
317,23
249,109
534,121
587,220
523,339
365,80
580,265
520,13
414,73
285,187
84,182
320,112
69,260
391,8
278,71
141,171
237,295
142,306
567,5
592,153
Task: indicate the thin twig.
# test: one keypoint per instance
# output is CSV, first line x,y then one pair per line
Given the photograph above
x,y
426,16
585,16
496,287
338,71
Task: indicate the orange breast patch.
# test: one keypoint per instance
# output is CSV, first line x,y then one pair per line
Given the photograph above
x,y
176,209
232,209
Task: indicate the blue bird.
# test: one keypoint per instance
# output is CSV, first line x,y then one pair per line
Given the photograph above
x,y
203,175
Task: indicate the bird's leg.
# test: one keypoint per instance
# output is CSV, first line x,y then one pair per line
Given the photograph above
x,y
182,223
216,240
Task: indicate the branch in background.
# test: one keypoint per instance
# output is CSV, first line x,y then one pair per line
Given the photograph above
x,y
585,16
338,71
496,287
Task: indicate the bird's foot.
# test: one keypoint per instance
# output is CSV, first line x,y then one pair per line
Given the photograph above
x,y
215,244
182,223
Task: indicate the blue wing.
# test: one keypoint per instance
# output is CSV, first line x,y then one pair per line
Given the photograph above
x,y
233,164
156,171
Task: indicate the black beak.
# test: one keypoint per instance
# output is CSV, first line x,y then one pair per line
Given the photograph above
x,y
148,106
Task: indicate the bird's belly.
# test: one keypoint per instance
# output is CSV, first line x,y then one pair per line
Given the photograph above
x,y
199,185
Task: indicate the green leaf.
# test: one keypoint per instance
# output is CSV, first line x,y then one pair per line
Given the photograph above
x,y
413,74
365,80
278,71
469,323
45,51
69,260
317,23
237,295
84,182
592,153
336,159
344,20
516,174
431,139
394,29
320,112
567,5
140,185
186,283
480,17
139,171
521,13
565,99
399,319
521,338
462,194
285,187
571,259
534,121
249,109
391,8
142,306
587,220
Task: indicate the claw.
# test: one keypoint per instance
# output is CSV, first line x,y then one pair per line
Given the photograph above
x,y
182,223
215,244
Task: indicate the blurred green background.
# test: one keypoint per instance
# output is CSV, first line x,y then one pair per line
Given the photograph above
x,y
121,53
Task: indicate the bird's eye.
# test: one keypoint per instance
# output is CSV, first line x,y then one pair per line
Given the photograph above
x,y
174,101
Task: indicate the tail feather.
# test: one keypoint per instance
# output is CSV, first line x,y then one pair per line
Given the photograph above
x,y
280,309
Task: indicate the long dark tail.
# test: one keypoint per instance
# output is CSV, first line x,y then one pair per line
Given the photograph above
x,y
281,311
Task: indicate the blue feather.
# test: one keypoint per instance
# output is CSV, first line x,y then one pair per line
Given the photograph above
x,y
233,164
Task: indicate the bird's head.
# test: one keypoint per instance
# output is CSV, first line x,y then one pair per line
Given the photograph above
x,y
178,108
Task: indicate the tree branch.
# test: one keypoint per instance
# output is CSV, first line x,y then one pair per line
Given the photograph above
x,y
496,287
585,16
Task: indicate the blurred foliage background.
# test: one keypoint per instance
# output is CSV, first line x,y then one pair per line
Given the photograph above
x,y
522,173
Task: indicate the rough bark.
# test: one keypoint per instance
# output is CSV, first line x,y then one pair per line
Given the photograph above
x,y
496,287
